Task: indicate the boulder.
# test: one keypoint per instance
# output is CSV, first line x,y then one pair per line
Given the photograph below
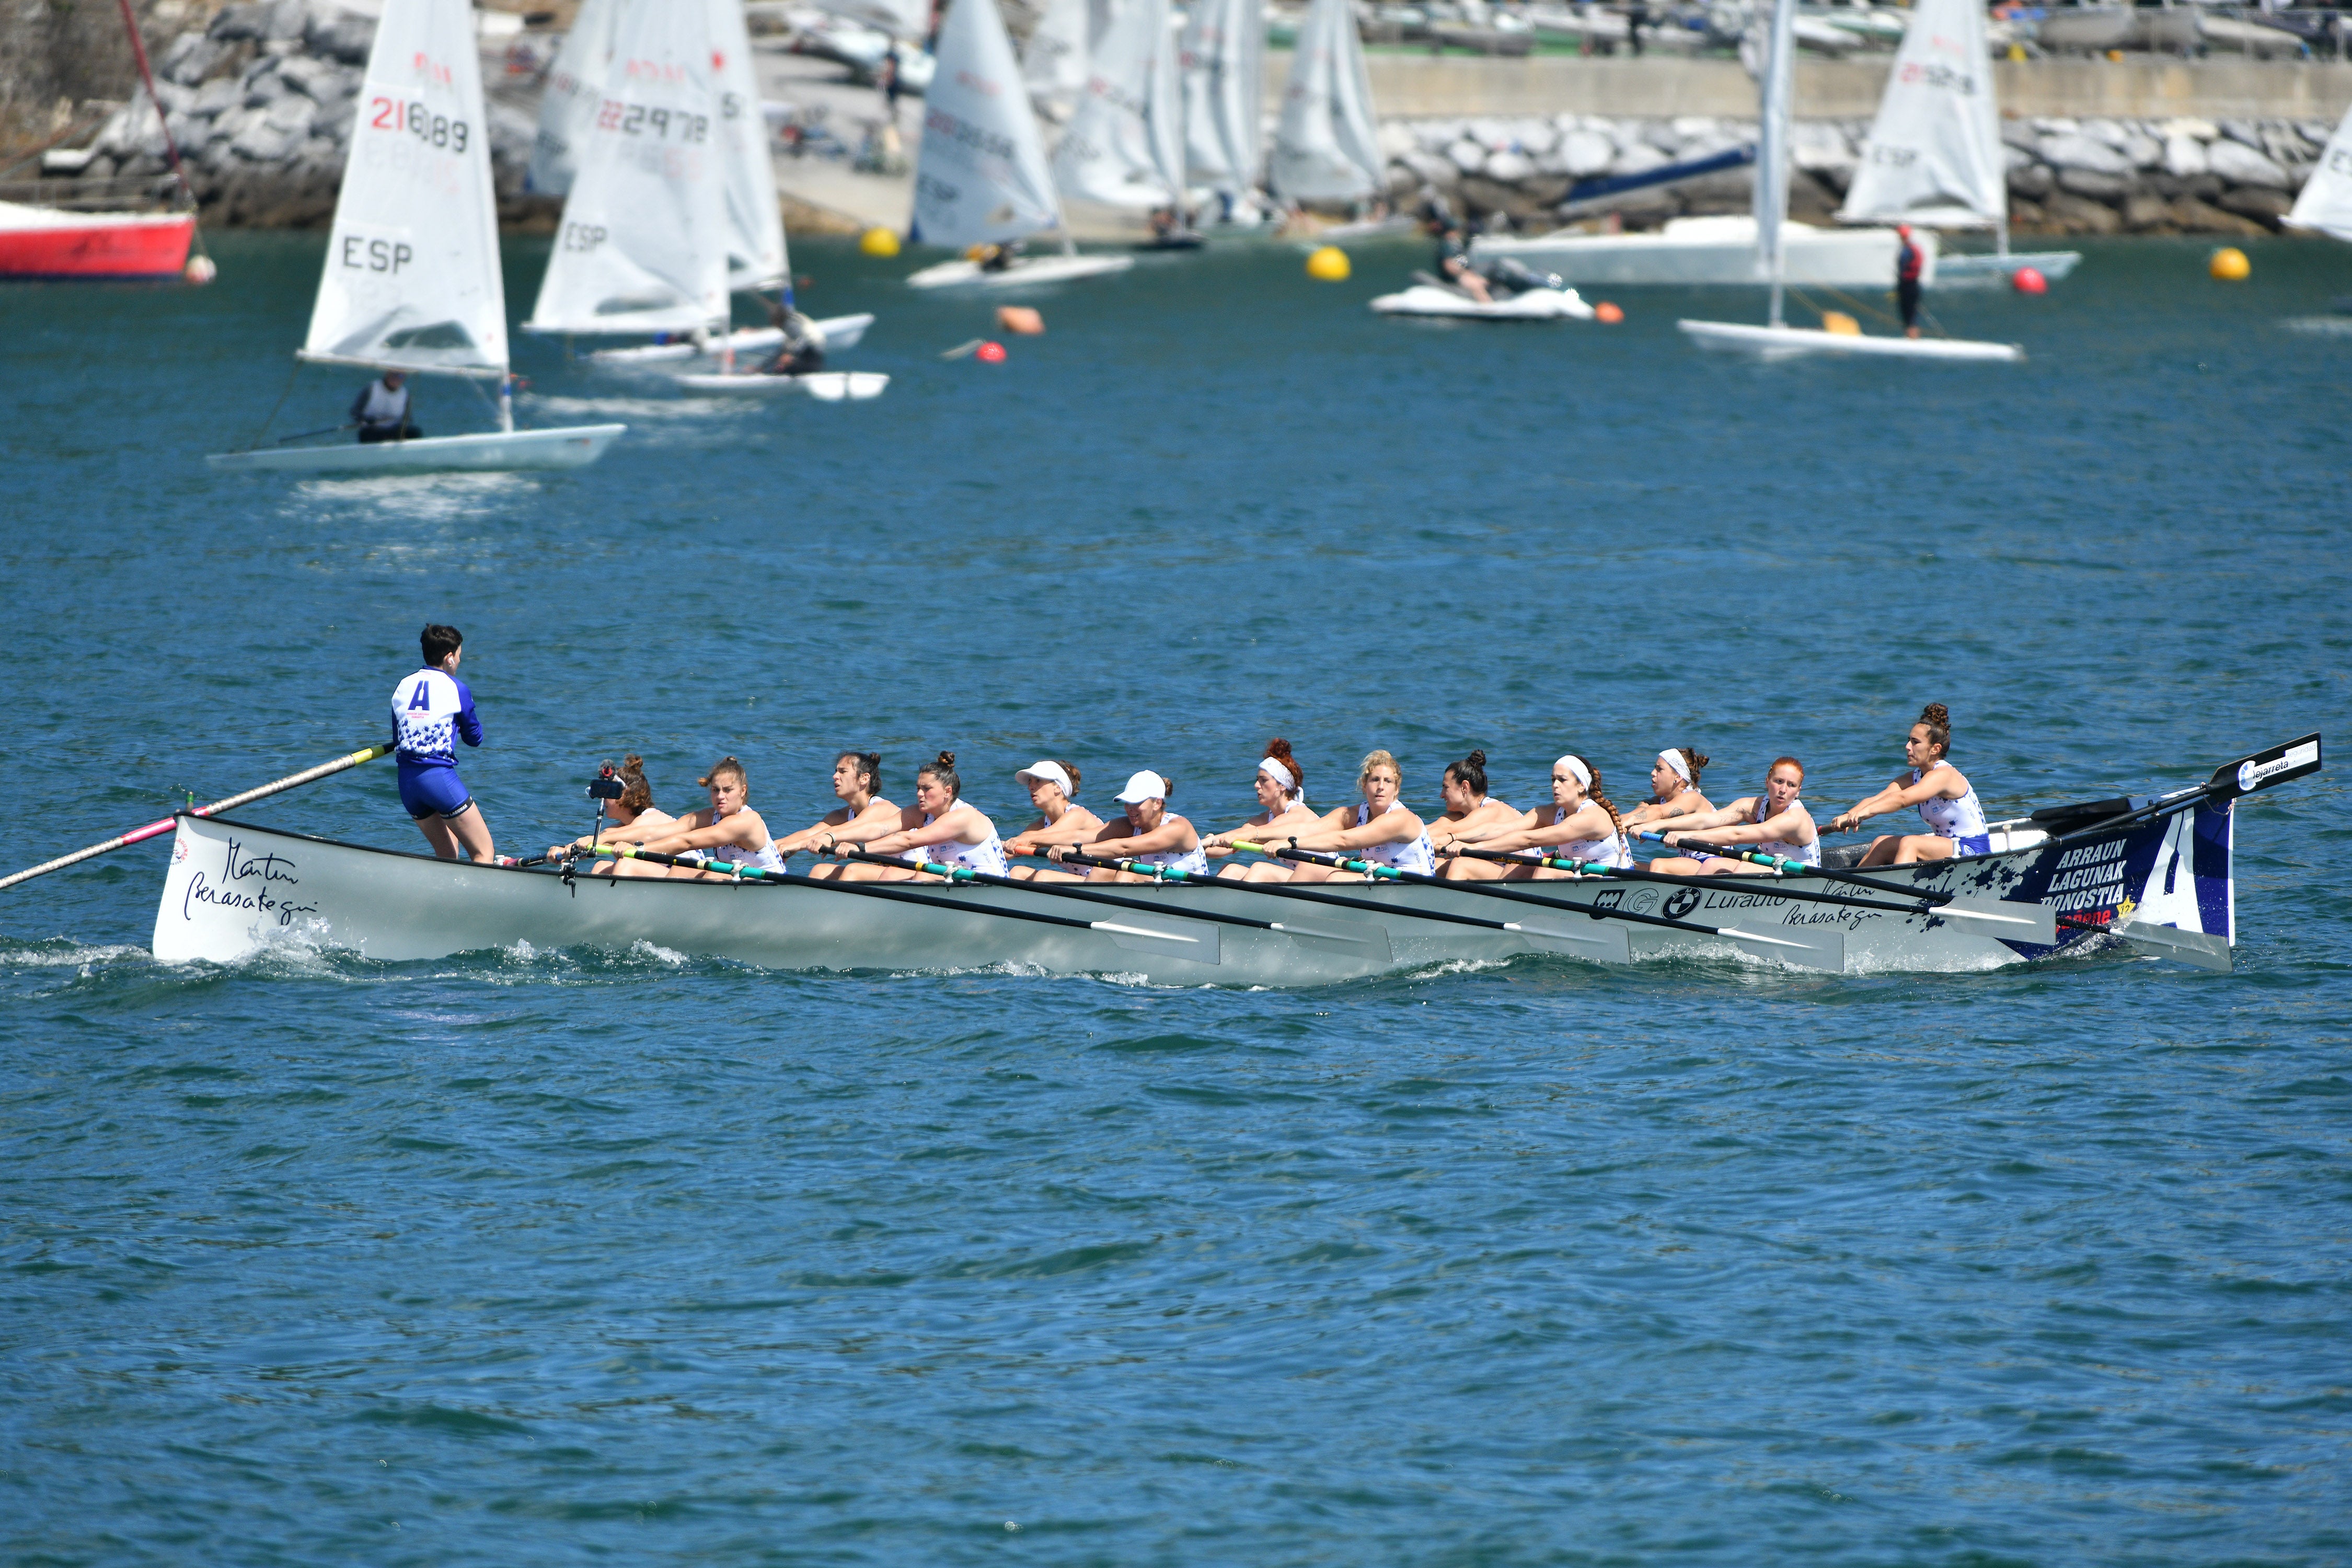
x,y
2107,132
189,58
2188,125
2070,214
2266,206
1433,169
2285,145
1467,156
2079,152
291,115
1482,197
339,34
1585,154
1491,134
1639,159
2031,180
2109,188
217,97
1662,135
2243,165
1818,147
2192,216
2184,156
1509,168
2143,152
240,21
2145,214
286,21
1534,137
314,78
263,142
2243,131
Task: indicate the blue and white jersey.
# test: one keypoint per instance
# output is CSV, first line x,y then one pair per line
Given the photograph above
x,y
431,713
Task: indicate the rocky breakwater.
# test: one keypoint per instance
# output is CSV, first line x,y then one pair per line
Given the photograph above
x,y
261,103
2065,176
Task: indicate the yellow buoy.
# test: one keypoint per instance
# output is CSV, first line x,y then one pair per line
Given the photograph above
x,y
878,241
2230,265
1329,265
1840,323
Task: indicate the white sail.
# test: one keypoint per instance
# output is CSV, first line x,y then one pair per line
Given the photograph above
x,y
1772,148
906,20
1125,146
1223,62
982,175
1324,146
755,225
411,274
575,88
1934,154
643,244
1053,66
2326,202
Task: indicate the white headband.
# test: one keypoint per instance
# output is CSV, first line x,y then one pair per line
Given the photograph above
x,y
1575,765
1674,760
1279,774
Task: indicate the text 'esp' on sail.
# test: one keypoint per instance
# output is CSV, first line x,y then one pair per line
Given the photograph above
x,y
1934,156
980,177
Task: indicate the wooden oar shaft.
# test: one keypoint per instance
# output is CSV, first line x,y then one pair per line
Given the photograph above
x,y
140,834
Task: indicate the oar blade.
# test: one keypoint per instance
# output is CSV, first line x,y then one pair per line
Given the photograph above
x,y
2195,947
1806,949
1601,941
1195,940
2003,919
1366,943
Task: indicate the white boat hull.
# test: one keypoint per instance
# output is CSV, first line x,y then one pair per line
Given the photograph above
x,y
1973,269
1716,250
1025,271
572,447
1790,343
234,891
839,333
1533,305
824,385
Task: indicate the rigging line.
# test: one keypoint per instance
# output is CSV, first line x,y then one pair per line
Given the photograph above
x,y
293,370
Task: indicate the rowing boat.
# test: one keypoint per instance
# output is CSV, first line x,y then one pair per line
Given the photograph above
x,y
2154,873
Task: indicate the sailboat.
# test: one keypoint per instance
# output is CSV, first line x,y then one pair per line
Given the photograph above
x,y
1935,156
411,281
981,177
1223,62
1053,66
1776,339
575,87
1125,146
2324,206
1324,147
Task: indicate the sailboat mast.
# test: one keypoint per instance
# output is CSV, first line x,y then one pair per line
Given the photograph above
x,y
1772,152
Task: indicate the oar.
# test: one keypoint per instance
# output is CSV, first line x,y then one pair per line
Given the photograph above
x,y
1087,895
1373,942
1125,935
139,835
1825,951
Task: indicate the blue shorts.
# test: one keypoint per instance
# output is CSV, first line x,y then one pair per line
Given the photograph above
x,y
1981,844
433,792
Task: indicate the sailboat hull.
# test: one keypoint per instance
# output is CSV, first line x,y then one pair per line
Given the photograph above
x,y
1025,271
572,447
1535,305
1984,271
1714,250
840,332
1791,343
824,385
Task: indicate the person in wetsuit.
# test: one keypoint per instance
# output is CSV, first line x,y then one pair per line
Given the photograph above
x,y
1907,261
1453,262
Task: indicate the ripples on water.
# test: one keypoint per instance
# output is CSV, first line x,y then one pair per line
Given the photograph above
x,y
541,1257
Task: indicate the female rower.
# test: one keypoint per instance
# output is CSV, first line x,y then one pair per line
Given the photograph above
x,y
1380,830
856,780
1775,822
726,829
1053,786
1946,802
1281,785
939,828
1674,788
1149,833
632,819
1468,805
1578,824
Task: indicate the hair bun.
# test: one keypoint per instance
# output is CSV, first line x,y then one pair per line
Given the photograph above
x,y
1278,748
1167,786
947,759
633,763
1476,758
1935,713
1697,760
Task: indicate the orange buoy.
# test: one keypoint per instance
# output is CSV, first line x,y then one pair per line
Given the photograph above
x,y
2230,265
989,353
1607,313
2028,281
1019,320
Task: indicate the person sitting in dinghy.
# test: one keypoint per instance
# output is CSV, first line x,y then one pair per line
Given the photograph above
x,y
1454,263
1773,823
803,350
381,410
632,819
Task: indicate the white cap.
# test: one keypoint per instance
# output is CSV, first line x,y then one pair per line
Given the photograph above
x,y
1145,785
1047,771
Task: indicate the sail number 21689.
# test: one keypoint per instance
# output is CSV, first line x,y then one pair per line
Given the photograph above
x,y
419,121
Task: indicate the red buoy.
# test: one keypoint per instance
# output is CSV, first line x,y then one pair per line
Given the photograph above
x,y
989,353
2028,281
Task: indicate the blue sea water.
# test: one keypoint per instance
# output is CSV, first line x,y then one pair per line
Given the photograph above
x,y
558,1258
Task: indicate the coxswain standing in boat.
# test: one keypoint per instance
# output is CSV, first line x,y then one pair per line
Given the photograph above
x,y
1052,786
1774,822
1947,801
632,819
727,829
1381,831
939,828
432,710
857,783
1281,785
1149,833
1578,824
1908,264
1674,788
381,410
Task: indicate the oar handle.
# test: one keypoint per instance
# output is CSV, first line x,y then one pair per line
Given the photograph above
x,y
1779,863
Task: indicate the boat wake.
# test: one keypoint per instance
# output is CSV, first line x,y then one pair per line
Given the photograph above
x,y
431,498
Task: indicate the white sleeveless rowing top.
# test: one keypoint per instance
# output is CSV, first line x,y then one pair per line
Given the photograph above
x,y
1414,855
1802,854
765,858
987,856
1192,861
1609,851
1962,818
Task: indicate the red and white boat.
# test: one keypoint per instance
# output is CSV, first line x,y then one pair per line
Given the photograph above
x,y
50,242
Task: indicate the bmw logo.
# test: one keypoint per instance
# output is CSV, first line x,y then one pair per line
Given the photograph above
x,y
1685,900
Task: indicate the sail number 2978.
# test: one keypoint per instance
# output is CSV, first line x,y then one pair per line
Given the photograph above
x,y
419,121
639,119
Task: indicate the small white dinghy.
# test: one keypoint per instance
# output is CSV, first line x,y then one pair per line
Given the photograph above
x,y
1427,298
824,385
495,451
1788,342
838,332
1023,270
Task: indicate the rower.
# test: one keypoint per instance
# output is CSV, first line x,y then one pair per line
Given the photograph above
x,y
1947,801
856,782
432,710
939,828
381,410
1053,784
632,819
1674,788
1149,833
1467,804
1380,830
1578,824
1281,784
1775,823
726,829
